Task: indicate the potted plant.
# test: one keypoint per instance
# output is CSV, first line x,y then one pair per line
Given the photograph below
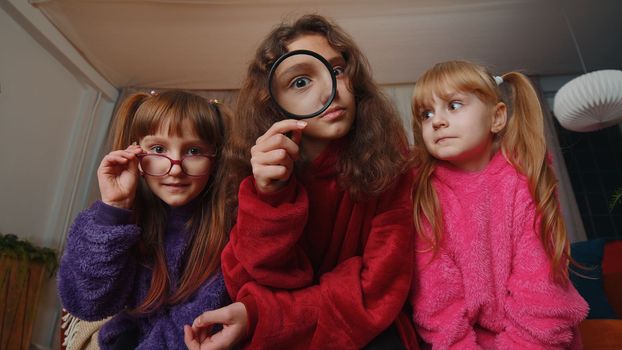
x,y
23,268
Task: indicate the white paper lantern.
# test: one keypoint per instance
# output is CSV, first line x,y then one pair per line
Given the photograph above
x,y
590,102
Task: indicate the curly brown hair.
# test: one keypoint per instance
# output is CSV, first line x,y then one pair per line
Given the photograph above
x,y
376,148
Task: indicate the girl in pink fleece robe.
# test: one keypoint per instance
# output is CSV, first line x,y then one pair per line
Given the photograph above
x,y
492,254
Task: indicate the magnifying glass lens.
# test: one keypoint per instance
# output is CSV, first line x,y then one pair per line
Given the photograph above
x,y
302,85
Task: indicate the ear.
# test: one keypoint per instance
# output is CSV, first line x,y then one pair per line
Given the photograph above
x,y
499,117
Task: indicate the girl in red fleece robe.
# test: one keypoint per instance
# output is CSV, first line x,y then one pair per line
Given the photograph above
x,y
321,254
492,254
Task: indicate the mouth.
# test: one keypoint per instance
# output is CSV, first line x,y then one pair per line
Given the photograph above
x,y
333,113
175,186
443,139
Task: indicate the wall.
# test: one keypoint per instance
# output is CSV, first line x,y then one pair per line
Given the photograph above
x,y
52,126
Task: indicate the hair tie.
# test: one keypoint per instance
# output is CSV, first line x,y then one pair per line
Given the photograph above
x,y
153,93
498,79
214,101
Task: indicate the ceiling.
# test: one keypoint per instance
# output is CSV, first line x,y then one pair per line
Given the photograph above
x,y
207,44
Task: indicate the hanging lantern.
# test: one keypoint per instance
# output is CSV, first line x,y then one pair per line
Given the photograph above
x,y
590,102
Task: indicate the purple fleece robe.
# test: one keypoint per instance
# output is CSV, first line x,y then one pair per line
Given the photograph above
x,y
100,276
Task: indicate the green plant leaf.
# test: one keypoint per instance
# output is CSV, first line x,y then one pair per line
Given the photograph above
x,y
18,249
615,198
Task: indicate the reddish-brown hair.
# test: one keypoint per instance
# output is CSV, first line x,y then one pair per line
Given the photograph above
x,y
143,114
376,144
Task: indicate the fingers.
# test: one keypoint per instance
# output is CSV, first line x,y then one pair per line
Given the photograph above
x,y
297,136
197,339
204,334
283,127
274,154
225,315
121,157
274,164
189,339
134,148
209,318
118,176
274,142
234,320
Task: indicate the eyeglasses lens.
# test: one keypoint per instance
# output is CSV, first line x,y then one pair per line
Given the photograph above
x,y
195,165
159,165
155,165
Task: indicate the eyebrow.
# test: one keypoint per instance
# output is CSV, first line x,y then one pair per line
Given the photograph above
x,y
454,95
338,59
293,70
160,139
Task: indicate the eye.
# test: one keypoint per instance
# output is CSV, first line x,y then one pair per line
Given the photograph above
x,y
426,114
194,151
338,70
157,149
300,82
453,105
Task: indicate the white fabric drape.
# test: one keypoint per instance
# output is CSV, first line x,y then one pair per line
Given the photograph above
x,y
401,95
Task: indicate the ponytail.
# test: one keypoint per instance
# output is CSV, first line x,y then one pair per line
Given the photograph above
x,y
121,129
426,207
524,145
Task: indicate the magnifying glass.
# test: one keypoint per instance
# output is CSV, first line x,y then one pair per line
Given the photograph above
x,y
302,84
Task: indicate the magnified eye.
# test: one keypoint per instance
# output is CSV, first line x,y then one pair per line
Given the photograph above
x,y
300,82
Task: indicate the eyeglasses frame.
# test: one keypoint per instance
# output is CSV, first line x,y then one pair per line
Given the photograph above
x,y
140,157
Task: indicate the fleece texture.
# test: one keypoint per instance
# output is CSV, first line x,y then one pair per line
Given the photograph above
x,y
100,276
489,285
317,269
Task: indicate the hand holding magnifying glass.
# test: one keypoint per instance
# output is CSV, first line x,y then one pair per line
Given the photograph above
x,y
274,154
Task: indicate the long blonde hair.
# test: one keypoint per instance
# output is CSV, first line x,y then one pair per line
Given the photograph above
x,y
142,114
522,143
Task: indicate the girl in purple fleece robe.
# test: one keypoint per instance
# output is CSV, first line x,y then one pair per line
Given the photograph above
x,y
149,251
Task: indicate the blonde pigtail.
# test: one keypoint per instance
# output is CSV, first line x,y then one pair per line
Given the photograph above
x,y
525,146
426,208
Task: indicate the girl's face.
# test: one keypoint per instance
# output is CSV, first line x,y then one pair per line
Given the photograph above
x,y
460,128
337,120
176,188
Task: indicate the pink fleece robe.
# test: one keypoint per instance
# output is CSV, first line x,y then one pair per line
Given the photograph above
x,y
489,285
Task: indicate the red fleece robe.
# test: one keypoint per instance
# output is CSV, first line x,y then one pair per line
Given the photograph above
x,y
316,269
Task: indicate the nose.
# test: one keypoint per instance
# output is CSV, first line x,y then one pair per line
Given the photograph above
x,y
326,95
439,121
176,169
